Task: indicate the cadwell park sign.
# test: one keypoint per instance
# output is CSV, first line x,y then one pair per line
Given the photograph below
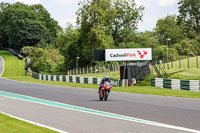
x,y
128,54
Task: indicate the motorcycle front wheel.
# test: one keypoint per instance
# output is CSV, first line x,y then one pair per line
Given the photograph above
x,y
105,95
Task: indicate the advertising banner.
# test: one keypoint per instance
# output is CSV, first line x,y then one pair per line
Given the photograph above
x,y
128,54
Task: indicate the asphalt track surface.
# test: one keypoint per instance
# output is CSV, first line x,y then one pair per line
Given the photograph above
x,y
169,110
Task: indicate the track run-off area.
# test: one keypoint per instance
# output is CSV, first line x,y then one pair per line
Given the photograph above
x,y
79,110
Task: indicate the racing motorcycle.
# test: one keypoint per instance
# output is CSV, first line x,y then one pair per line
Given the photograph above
x,y
104,91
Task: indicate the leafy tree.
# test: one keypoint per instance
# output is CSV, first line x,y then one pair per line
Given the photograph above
x,y
188,47
168,28
68,44
190,14
125,20
23,25
51,26
104,24
44,60
3,38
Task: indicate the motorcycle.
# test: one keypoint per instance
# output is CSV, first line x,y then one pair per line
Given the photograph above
x,y
104,91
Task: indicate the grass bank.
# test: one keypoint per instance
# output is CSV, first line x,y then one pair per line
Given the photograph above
x,y
11,125
13,66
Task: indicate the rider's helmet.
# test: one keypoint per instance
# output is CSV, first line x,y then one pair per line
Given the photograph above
x,y
106,78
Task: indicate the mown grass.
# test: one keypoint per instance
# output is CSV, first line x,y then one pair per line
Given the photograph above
x,y
147,89
14,67
11,125
113,75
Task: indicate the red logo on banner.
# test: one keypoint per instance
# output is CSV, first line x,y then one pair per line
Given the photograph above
x,y
142,54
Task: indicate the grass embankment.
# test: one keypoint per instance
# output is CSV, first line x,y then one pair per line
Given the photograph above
x,y
136,89
11,125
13,66
185,73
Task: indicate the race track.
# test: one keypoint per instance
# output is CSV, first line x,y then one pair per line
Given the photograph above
x,y
179,112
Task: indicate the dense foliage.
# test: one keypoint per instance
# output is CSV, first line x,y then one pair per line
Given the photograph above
x,y
23,25
101,24
44,60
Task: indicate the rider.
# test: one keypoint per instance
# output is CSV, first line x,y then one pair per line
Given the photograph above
x,y
106,78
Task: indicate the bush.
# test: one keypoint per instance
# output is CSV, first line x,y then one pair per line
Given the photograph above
x,y
188,47
44,60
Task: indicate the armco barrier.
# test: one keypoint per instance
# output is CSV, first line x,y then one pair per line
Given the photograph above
x,y
176,84
75,79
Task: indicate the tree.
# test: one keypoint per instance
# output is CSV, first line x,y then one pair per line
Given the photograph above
x,y
188,47
125,20
23,25
3,37
44,60
104,24
190,14
168,28
67,43
52,28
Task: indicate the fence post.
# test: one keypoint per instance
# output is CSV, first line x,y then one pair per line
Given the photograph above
x,y
197,62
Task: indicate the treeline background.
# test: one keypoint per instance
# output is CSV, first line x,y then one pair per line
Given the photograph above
x,y
30,30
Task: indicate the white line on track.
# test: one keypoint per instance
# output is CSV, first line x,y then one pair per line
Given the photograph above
x,y
34,123
3,66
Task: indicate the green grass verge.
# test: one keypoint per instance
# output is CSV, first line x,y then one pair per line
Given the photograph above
x,y
113,75
11,125
136,89
14,67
